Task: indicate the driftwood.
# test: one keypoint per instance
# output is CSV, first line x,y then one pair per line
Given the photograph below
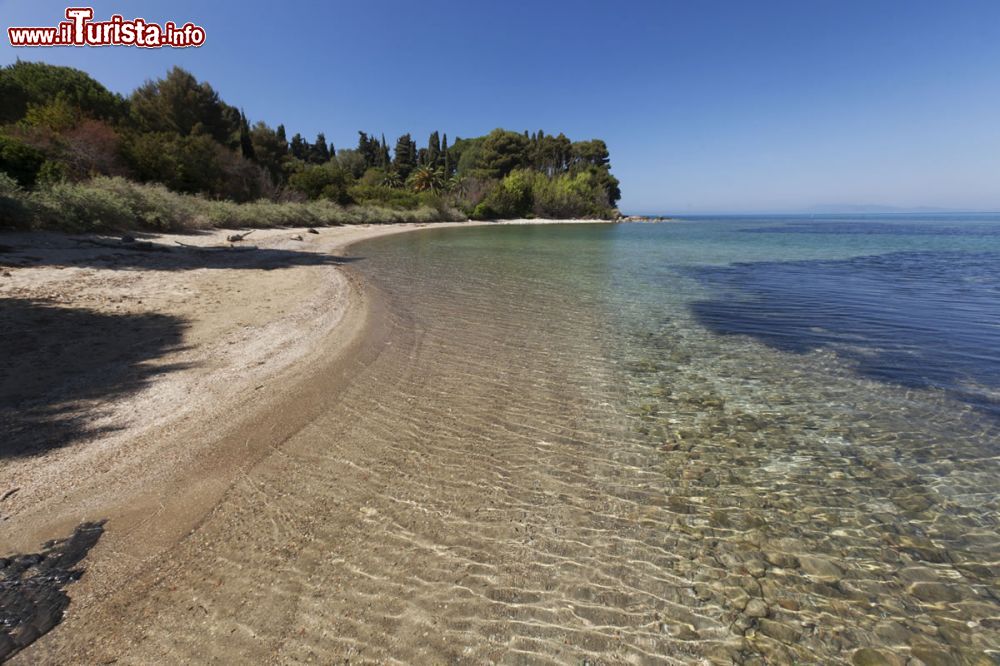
x,y
216,248
312,231
236,238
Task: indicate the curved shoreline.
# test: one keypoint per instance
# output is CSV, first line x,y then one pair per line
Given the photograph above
x,y
156,482
490,476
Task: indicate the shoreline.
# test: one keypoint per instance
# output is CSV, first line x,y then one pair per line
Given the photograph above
x,y
158,458
481,466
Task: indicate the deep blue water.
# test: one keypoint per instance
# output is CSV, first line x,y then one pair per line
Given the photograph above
x,y
920,307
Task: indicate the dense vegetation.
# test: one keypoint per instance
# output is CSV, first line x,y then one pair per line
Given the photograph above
x,y
174,155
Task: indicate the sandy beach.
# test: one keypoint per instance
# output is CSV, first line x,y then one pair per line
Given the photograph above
x,y
461,446
138,385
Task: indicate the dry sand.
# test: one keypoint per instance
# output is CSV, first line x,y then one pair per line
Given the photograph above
x,y
137,386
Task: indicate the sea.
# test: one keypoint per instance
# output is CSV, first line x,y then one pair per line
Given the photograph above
x,y
798,410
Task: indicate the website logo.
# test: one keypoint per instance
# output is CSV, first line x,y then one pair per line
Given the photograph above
x,y
79,29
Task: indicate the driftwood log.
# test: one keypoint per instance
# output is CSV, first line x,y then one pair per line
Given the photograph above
x,y
216,248
236,238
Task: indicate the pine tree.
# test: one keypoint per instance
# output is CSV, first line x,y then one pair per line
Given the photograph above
x,y
281,134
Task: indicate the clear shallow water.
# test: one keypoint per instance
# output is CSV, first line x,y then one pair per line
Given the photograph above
x,y
821,396
695,442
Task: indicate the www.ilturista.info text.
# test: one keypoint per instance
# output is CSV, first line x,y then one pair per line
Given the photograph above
x,y
81,30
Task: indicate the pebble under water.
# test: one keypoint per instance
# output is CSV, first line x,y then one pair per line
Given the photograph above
x,y
822,399
733,441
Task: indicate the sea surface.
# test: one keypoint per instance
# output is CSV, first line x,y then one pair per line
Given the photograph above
x,y
803,411
709,441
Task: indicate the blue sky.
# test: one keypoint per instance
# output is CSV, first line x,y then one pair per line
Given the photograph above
x,y
706,106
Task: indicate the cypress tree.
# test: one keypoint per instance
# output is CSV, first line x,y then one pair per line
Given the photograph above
x,y
444,153
369,149
433,149
320,151
299,147
383,153
246,145
406,156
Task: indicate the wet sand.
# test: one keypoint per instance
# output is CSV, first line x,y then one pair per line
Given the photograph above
x,y
468,479
140,387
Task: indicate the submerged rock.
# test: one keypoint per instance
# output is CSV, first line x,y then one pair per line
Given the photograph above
x,y
779,631
756,608
935,593
32,596
820,568
873,657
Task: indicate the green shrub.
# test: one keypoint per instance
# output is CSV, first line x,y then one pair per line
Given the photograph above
x,y
14,212
566,196
20,161
115,204
51,172
384,196
80,207
510,198
326,181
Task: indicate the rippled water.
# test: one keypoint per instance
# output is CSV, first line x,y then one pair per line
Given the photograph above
x,y
714,441
821,397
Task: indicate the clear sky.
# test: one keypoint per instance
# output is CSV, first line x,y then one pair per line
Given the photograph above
x,y
706,106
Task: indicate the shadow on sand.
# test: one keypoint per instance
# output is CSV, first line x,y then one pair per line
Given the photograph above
x,y
159,257
59,365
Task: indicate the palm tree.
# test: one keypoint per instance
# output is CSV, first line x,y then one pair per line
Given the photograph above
x,y
455,184
425,178
392,179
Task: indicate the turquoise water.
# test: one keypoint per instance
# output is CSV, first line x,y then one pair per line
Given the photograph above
x,y
801,411
913,302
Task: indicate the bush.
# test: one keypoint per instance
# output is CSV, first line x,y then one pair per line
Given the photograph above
x,y
326,181
384,196
510,198
526,193
76,207
115,204
20,161
566,196
14,212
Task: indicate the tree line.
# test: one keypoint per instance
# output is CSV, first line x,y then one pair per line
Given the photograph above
x,y
59,124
